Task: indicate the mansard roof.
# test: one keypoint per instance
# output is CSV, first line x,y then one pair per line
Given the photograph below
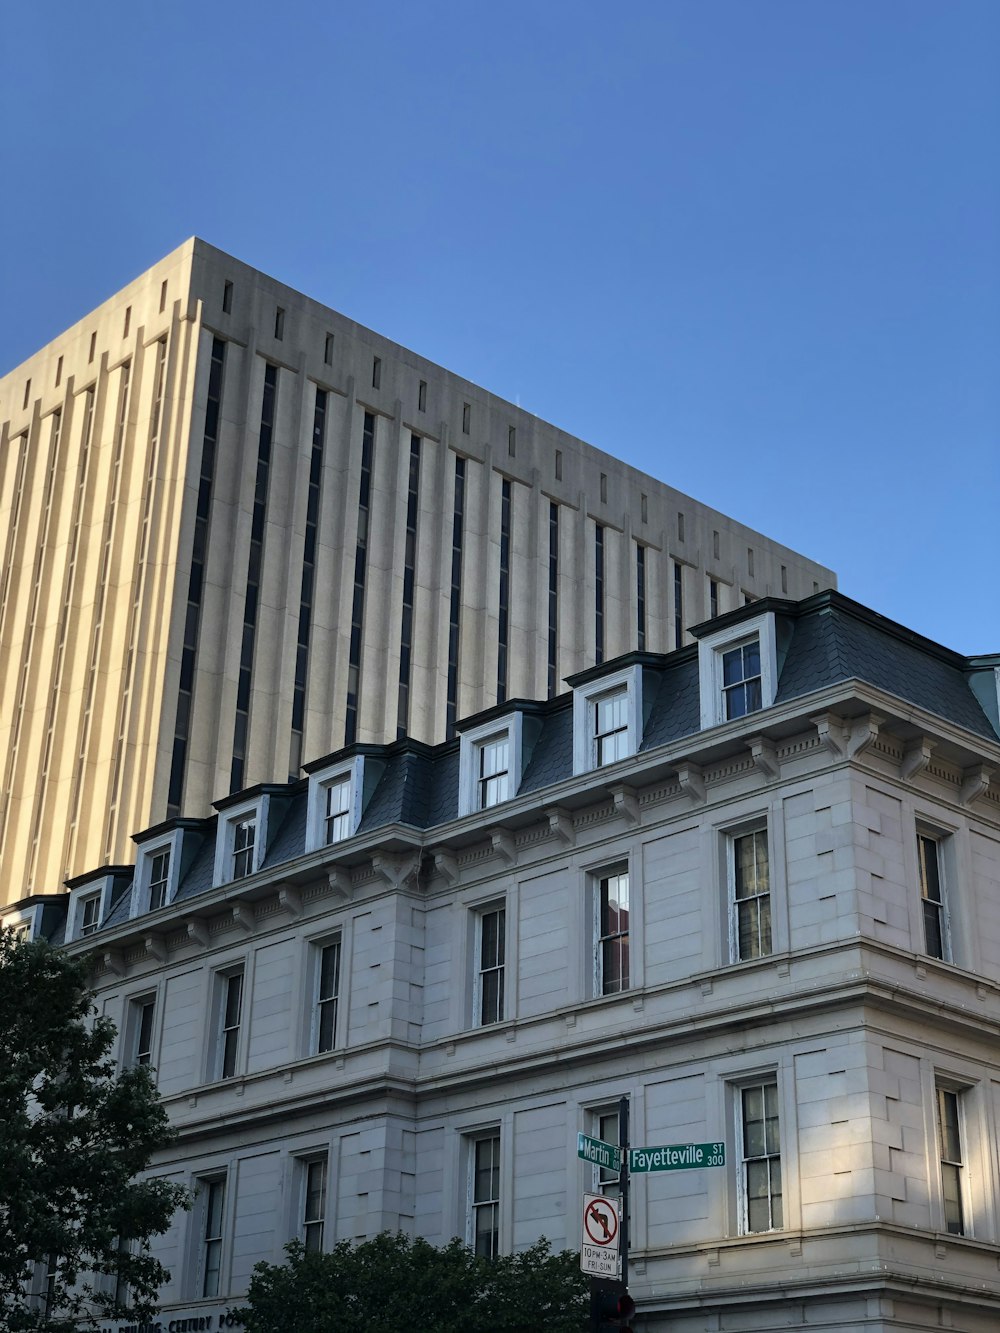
x,y
825,641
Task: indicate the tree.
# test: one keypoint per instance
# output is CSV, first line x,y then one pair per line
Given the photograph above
x,y
395,1282
74,1137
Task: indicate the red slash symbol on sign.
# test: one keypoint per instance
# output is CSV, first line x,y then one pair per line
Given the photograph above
x,y
601,1224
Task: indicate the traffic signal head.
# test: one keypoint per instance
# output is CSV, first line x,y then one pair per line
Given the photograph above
x,y
611,1308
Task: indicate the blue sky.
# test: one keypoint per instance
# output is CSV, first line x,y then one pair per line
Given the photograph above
x,y
752,246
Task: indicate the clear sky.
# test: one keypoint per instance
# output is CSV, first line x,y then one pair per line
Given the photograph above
x,y
751,246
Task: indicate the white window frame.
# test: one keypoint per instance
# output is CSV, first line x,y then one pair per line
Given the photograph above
x,y
945,1087
585,700
472,1144
132,1029
763,1080
219,1028
941,840
604,1178
225,843
471,745
147,853
732,836
316,1000
320,783
598,878
304,1165
711,649
101,888
25,922
204,1184
479,972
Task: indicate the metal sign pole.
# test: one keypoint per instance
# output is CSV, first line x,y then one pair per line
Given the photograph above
x,y
623,1139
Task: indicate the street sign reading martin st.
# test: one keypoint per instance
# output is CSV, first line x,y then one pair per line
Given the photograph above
x,y
598,1152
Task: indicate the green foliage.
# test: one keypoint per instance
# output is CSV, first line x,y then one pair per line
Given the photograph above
x,y
394,1284
74,1135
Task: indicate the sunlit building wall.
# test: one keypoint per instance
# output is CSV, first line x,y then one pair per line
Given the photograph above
x,y
238,529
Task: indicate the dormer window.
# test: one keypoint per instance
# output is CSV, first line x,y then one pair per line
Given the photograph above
x,y
159,867
491,761
244,841
741,679
738,670
90,914
241,841
336,799
607,718
91,899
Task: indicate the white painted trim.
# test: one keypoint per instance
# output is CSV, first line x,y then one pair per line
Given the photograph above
x,y
710,650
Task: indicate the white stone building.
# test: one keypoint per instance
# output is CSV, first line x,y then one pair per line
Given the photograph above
x,y
238,529
753,885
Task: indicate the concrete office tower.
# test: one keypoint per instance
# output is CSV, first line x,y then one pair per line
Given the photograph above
x,y
238,529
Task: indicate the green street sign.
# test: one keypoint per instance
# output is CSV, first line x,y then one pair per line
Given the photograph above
x,y
677,1157
600,1153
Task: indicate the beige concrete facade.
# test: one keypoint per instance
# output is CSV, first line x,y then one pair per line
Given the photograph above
x,y
104,448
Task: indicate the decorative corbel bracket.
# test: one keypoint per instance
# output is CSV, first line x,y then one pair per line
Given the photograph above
x,y
975,783
446,865
692,780
830,730
197,931
626,803
339,881
561,825
114,962
156,947
765,756
916,757
243,917
864,731
290,900
396,871
503,845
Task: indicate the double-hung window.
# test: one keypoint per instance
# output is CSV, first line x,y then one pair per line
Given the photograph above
x,y
493,782
338,809
491,929
932,899
327,995
750,895
90,914
741,679
738,669
610,717
607,716
213,1211
313,1203
952,1163
228,1016
611,902
607,1130
244,838
484,1195
142,1012
335,800
159,878
490,763
760,1152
